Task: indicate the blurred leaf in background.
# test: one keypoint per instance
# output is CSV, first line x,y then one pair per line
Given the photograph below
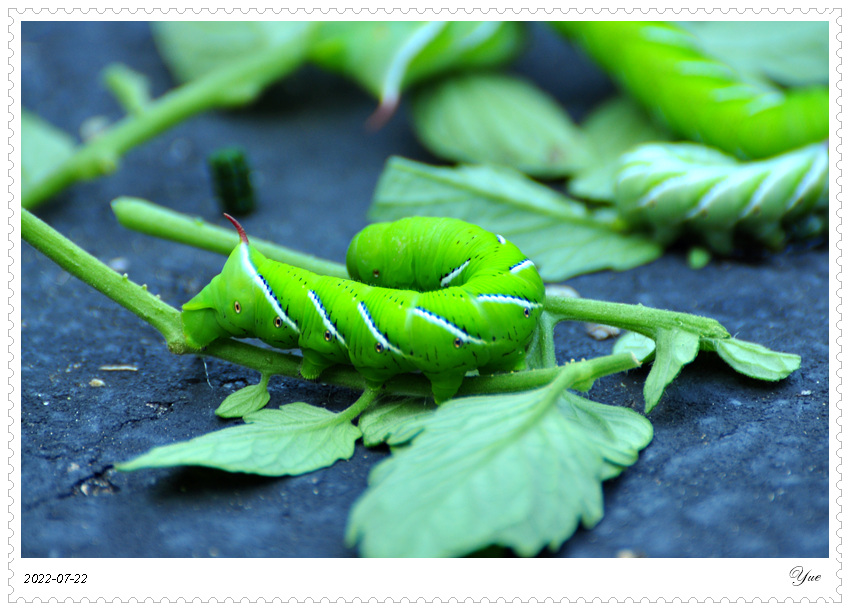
x,y
609,131
385,57
194,48
558,234
43,149
499,119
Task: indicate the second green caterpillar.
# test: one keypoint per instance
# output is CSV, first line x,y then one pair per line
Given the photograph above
x,y
699,97
440,296
690,188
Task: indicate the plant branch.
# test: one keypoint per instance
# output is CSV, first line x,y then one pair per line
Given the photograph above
x,y
131,89
146,217
358,407
234,84
93,272
638,318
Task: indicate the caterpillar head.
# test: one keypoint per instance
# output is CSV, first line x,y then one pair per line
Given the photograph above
x,y
225,307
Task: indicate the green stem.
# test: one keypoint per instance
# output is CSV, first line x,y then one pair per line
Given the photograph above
x,y
231,85
638,318
499,383
576,373
145,217
131,89
117,287
364,401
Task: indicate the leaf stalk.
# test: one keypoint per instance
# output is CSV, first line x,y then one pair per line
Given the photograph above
x,y
234,84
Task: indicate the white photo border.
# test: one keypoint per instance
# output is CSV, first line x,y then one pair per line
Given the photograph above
x,y
478,580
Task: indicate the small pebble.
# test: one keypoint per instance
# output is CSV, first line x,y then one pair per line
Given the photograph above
x,y
630,553
561,290
600,332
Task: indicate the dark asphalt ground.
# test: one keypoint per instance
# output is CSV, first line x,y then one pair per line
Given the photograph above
x,y
738,468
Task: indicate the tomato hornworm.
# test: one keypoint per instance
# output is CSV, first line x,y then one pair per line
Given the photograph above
x,y
699,97
435,295
687,187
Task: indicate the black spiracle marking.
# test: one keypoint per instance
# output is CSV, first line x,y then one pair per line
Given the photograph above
x,y
277,301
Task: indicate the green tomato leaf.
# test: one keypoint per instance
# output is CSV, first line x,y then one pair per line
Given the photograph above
x,y
395,421
619,433
43,149
194,48
674,349
245,400
517,470
295,439
611,130
755,360
789,53
385,57
641,346
498,119
557,233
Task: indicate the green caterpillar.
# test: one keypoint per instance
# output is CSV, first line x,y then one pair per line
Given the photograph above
x,y
699,97
676,188
440,296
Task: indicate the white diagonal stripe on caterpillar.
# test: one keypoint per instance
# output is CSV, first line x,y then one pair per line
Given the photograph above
x,y
518,267
704,67
320,307
684,180
732,182
631,168
761,192
820,164
658,190
765,101
447,279
738,91
500,238
665,36
376,333
445,324
524,303
261,282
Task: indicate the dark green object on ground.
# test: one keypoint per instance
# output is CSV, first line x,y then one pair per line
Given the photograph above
x,y
232,179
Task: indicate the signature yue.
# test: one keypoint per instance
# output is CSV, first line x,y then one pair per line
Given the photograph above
x,y
799,576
